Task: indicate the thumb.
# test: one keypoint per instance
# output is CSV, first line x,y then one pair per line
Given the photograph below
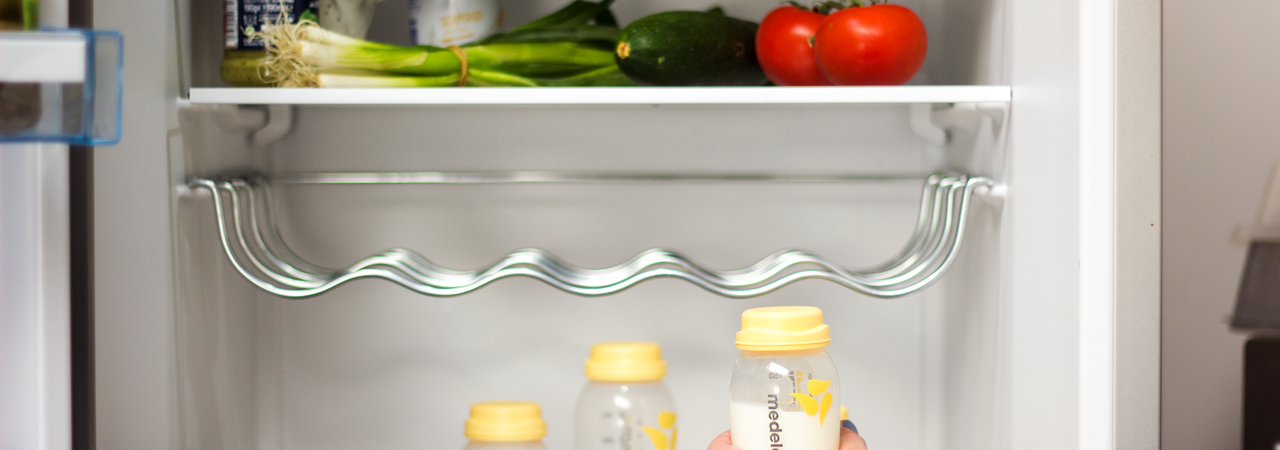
x,y
722,442
850,440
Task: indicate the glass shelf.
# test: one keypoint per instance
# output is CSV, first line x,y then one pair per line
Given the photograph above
x,y
604,95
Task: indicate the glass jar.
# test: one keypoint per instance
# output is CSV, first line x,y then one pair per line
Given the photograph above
x,y
244,51
784,385
625,405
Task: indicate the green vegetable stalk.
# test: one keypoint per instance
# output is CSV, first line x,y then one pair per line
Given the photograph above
x,y
561,49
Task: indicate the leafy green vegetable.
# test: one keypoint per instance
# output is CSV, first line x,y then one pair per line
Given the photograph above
x,y
561,49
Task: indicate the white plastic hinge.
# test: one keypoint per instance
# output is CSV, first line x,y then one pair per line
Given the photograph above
x,y
240,118
996,195
922,123
267,124
279,122
984,120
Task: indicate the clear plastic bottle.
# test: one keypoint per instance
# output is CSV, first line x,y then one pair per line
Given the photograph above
x,y
784,385
625,406
506,426
453,22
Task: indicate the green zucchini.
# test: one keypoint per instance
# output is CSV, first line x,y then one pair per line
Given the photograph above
x,y
690,48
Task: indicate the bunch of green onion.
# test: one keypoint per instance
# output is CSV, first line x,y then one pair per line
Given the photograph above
x,y
570,47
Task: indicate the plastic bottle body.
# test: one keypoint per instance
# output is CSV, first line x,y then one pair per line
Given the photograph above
x,y
519,445
625,416
454,22
784,400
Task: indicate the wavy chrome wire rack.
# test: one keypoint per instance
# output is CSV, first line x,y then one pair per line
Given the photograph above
x,y
251,239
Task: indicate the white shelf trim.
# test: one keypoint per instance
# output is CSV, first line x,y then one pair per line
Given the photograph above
x,y
604,95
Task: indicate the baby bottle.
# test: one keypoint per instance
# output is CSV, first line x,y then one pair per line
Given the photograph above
x,y
784,384
625,406
505,426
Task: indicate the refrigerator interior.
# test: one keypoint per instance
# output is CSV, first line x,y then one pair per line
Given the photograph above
x,y
373,365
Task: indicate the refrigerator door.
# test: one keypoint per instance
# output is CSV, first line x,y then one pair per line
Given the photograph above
x,y
35,389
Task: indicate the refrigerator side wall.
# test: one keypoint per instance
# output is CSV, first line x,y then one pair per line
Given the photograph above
x,y
35,391
1043,219
136,400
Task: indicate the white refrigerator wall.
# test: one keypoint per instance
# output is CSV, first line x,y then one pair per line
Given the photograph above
x,y
35,314
190,356
35,287
373,364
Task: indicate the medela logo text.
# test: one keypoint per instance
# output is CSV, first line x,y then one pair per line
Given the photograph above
x,y
775,430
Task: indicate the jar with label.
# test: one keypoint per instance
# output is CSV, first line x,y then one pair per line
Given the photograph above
x,y
784,385
442,23
625,405
243,20
505,426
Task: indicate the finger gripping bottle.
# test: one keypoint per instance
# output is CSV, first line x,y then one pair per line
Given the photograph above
x,y
784,385
625,406
505,426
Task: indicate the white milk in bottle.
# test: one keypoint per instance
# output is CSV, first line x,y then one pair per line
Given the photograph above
x,y
784,387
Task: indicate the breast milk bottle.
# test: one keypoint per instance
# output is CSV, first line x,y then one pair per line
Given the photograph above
x,y
505,426
784,384
625,406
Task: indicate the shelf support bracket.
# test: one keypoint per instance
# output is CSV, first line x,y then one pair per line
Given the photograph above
x,y
235,118
266,124
973,133
279,122
922,123
985,120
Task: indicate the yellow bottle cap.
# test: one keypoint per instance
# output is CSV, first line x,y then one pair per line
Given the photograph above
x,y
506,422
621,362
782,328
844,413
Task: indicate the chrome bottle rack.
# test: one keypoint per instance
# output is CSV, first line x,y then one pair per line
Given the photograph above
x,y
252,242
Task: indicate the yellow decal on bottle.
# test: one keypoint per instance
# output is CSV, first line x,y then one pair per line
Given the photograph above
x,y
666,419
826,406
811,405
817,387
808,403
655,435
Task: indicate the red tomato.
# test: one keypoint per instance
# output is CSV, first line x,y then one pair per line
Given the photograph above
x,y
782,46
871,45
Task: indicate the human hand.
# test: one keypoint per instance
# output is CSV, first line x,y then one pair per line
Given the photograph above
x,y
848,441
